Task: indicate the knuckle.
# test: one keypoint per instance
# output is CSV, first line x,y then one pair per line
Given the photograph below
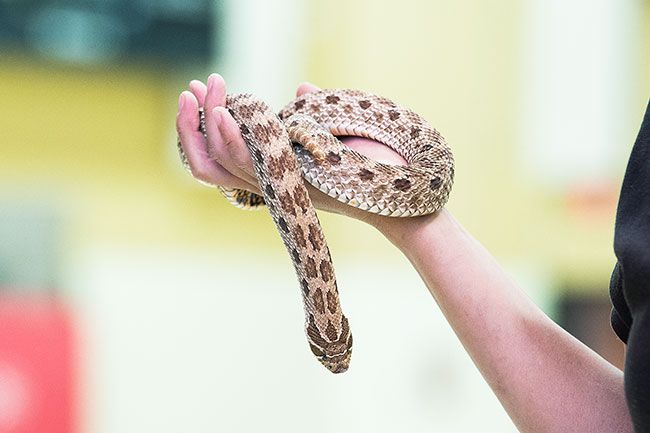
x,y
238,154
215,177
218,155
241,159
202,174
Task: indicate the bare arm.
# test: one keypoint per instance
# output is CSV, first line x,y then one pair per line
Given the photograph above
x,y
546,380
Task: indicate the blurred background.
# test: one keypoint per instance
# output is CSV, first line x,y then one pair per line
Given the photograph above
x,y
134,299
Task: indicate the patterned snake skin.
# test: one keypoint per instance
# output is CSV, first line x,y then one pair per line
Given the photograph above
x,y
299,146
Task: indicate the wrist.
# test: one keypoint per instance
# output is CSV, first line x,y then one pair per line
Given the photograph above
x,y
406,233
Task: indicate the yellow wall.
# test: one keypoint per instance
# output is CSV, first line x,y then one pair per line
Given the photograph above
x,y
102,142
460,65
101,145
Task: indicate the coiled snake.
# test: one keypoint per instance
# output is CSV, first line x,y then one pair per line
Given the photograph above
x,y
300,143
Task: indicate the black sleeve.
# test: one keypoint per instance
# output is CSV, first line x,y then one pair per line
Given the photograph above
x,y
630,283
621,317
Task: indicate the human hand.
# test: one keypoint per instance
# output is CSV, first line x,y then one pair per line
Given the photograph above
x,y
223,158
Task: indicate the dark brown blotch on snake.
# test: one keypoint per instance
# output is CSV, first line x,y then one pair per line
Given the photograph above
x,y
314,237
326,270
402,184
332,99
283,225
319,302
334,158
299,237
310,268
365,174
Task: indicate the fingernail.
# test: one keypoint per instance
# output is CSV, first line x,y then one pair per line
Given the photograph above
x,y
181,101
210,83
213,77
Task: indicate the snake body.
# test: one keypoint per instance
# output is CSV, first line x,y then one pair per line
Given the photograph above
x,y
299,145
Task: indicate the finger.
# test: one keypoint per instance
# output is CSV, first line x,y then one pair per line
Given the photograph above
x,y
199,90
216,93
306,87
218,144
215,97
187,118
194,146
227,146
235,145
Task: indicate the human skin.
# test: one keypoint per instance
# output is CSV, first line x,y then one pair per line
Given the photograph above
x,y
546,380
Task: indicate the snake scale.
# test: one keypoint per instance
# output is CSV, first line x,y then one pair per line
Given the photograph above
x,y
300,145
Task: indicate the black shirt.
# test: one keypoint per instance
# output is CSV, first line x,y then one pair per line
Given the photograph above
x,y
630,283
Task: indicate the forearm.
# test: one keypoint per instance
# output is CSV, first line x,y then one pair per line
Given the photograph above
x,y
546,380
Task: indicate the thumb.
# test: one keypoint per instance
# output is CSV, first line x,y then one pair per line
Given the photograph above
x,y
306,87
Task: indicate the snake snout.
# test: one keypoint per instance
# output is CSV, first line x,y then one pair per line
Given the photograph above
x,y
340,369
337,364
337,368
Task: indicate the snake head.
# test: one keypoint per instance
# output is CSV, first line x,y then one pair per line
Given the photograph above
x,y
334,356
332,349
338,363
335,359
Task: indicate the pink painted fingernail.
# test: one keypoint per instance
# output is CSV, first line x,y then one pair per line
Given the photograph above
x,y
181,101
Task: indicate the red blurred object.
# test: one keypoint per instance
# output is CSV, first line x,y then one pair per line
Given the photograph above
x,y
36,366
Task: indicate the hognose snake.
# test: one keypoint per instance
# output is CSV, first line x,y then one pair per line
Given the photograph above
x,y
299,145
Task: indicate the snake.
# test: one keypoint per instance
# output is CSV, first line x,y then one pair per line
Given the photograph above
x,y
300,146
